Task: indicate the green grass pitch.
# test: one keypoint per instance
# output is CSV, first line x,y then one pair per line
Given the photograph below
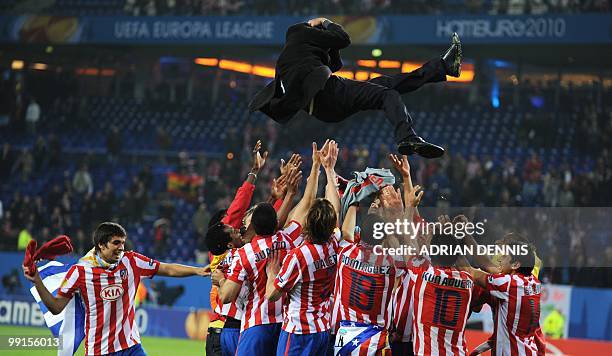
x,y
153,345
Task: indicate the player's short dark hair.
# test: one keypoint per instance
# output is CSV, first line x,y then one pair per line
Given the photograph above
x,y
515,241
321,221
217,238
105,232
264,219
367,228
448,242
512,237
527,260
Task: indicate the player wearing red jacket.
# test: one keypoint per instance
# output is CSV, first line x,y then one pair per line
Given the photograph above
x,y
223,234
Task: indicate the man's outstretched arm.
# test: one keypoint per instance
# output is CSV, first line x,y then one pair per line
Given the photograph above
x,y
178,270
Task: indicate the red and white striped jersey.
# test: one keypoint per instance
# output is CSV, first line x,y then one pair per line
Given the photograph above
x,y
233,309
249,268
307,275
108,296
403,303
441,298
364,286
517,313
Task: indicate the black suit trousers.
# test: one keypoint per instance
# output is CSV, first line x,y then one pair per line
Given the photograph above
x,y
343,97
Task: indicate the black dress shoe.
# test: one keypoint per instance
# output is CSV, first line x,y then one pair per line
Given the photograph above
x,y
416,144
452,57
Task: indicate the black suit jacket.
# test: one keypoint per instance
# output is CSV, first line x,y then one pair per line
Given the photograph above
x,y
309,57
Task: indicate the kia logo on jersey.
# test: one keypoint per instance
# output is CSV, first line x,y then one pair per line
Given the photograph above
x,y
112,292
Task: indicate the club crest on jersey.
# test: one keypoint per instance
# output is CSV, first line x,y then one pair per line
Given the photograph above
x,y
123,274
112,292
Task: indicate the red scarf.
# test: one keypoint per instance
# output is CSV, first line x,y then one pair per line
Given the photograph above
x,y
60,245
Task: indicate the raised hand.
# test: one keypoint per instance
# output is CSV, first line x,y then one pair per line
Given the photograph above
x,y
391,201
401,165
258,159
273,264
207,268
329,155
279,187
316,21
203,271
217,276
415,195
26,272
316,153
294,177
375,207
444,219
294,161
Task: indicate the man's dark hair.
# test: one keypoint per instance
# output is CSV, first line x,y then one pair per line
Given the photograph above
x,y
321,221
105,232
217,239
512,237
367,228
448,244
264,219
527,260
515,241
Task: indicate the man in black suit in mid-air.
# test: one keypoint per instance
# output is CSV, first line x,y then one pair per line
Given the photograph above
x,y
304,81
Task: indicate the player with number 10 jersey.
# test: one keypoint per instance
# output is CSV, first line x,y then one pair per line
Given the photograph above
x,y
442,295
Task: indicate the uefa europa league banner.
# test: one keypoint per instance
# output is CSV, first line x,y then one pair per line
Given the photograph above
x,y
270,30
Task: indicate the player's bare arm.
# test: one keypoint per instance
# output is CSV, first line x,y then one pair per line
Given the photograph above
x,y
294,177
479,276
392,209
310,192
259,161
178,270
403,167
54,304
228,289
348,225
279,185
328,161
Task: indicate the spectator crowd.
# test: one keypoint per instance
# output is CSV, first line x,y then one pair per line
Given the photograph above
x,y
306,8
353,7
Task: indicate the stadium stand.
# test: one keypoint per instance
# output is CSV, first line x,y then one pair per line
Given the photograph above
x,y
500,159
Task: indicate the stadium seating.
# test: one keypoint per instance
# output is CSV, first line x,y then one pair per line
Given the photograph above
x,y
197,126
